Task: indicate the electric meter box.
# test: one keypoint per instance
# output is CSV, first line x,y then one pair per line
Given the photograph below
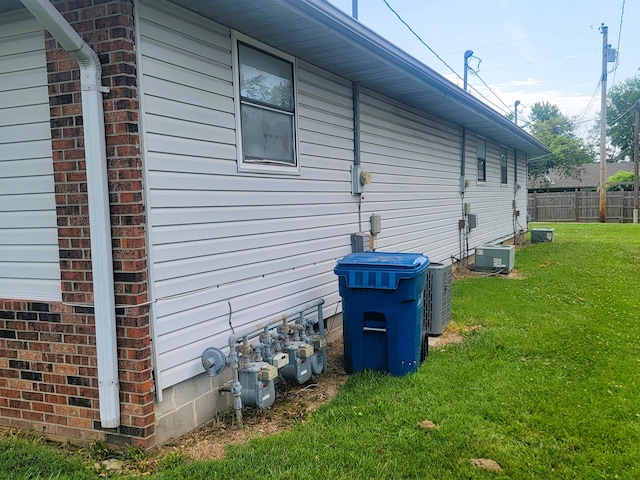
x,y
540,235
495,258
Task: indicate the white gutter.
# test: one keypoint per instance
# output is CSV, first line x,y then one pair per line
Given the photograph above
x,y
98,193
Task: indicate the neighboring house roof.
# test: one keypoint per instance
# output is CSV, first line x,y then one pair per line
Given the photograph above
x,y
589,177
321,34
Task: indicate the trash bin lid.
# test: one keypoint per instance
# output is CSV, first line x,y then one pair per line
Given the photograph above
x,y
382,270
409,261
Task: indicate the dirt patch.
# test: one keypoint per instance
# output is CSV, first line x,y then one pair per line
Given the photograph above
x,y
464,271
453,333
294,403
486,464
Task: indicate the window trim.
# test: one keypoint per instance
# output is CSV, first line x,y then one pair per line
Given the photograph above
x,y
257,167
484,164
504,165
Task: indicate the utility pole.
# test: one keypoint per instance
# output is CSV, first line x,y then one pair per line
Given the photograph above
x,y
603,128
354,9
636,180
515,111
467,56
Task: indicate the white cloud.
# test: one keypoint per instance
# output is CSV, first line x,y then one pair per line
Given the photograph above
x,y
522,83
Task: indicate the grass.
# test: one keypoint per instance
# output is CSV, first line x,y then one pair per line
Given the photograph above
x,y
549,387
26,455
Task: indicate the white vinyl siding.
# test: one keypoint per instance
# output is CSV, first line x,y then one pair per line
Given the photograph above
x,y
520,188
232,248
492,201
29,260
415,167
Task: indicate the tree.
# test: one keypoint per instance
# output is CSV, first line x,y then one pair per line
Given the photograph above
x,y
621,180
557,131
620,115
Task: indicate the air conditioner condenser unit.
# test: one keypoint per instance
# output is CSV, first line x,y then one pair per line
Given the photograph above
x,y
539,235
437,297
495,258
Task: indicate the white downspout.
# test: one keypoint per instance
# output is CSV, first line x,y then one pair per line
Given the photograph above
x,y
98,194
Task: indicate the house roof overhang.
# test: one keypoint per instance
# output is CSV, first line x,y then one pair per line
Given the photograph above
x,y
323,35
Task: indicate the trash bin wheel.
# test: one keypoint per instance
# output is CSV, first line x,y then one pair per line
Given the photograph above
x,y
424,348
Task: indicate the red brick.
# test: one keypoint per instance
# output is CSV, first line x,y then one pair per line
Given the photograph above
x,y
107,25
9,393
10,412
56,399
56,419
33,416
42,407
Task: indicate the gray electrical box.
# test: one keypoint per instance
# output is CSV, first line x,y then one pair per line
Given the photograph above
x,y
495,258
472,220
437,297
356,186
376,224
360,242
539,235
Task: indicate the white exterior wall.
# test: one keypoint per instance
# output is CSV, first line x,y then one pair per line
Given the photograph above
x,y
491,200
521,195
232,248
415,167
29,261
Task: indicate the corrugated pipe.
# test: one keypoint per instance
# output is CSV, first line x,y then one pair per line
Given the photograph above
x,y
98,194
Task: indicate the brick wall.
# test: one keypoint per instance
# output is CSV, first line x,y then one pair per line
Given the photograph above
x,y
48,365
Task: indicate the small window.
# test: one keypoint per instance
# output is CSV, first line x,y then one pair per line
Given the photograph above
x,y
503,165
481,149
266,110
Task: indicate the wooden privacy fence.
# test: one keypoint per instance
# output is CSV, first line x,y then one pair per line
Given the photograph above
x,y
579,206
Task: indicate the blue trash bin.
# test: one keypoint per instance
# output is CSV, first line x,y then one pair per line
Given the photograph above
x,y
382,310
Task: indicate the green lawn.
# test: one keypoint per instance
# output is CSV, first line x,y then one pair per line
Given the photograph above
x,y
549,387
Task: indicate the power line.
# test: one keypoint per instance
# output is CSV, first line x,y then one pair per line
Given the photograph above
x,y
582,117
420,39
615,68
526,39
622,115
489,88
445,63
543,60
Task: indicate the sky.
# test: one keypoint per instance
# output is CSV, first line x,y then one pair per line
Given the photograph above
x,y
523,50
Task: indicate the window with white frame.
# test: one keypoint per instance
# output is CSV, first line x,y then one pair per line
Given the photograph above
x,y
266,109
503,164
481,151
